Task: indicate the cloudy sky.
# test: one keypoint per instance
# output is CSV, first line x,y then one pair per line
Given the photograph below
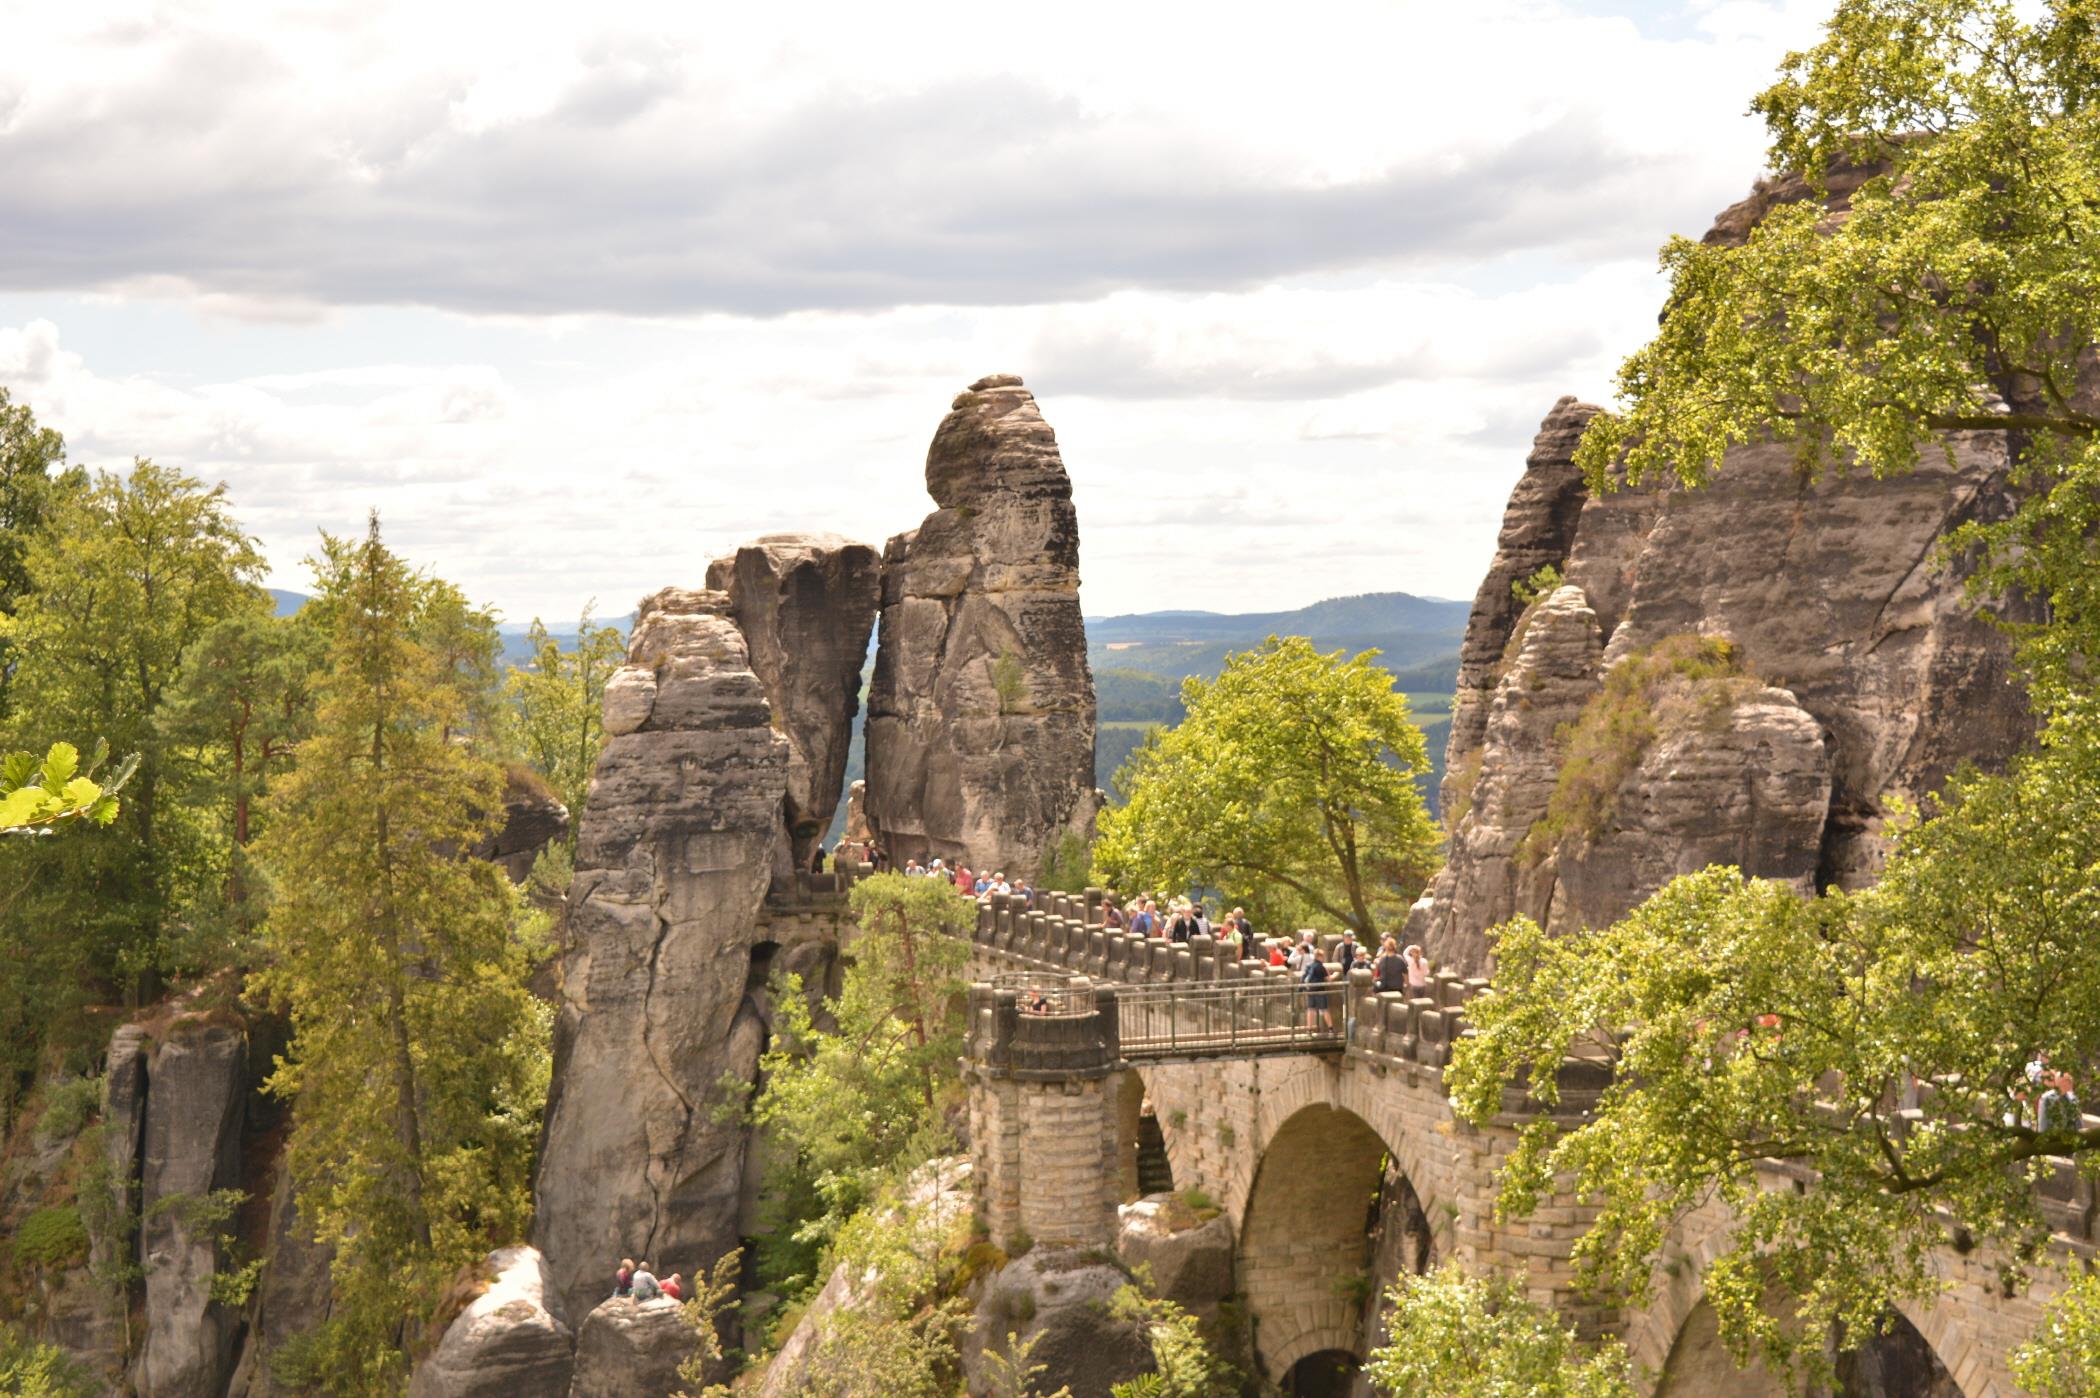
x,y
578,296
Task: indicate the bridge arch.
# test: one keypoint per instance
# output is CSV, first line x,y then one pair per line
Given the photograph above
x,y
1675,1342
1144,1142
1306,1239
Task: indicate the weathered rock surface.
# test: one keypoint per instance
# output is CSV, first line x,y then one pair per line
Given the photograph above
x,y
505,1344
631,1349
294,1296
198,1084
806,605
1190,1258
673,862
1738,779
1057,1298
980,733
533,818
1835,598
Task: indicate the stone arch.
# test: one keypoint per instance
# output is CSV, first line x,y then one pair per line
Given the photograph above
x,y
1305,1237
1143,1143
1690,1363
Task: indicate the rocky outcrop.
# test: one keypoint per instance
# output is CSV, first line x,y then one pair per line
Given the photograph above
x,y
294,1296
505,1343
980,733
198,1080
533,818
1055,1300
631,1349
806,605
1189,1258
661,958
1877,675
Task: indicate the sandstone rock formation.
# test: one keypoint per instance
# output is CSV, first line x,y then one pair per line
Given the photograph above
x,y
631,1349
674,859
806,603
1878,678
980,733
1190,1259
532,819
198,1082
1056,1300
505,1344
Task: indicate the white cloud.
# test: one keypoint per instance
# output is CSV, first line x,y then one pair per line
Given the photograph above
x,y
1294,286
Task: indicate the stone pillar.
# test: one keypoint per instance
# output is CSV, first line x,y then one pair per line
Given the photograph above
x,y
1043,1118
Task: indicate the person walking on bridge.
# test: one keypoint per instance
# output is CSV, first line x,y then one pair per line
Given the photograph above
x,y
1317,1015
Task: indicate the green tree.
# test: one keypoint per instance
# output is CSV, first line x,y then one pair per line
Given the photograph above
x,y
1291,785
848,1109
557,698
30,486
1184,1364
418,1063
1877,1041
244,697
1457,1336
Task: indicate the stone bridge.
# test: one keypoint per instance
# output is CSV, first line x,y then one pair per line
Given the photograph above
x,y
1306,1148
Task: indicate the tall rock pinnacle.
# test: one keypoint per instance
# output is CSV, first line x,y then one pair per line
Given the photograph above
x,y
980,730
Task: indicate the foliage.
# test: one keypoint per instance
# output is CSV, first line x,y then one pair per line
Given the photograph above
x,y
124,576
418,1059
2063,1361
1186,1368
711,1296
1457,1336
1879,1039
849,1109
1290,786
1016,1373
1678,679
557,697
1069,866
1529,590
68,1106
898,1333
32,1370
29,491
1010,682
51,1237
35,796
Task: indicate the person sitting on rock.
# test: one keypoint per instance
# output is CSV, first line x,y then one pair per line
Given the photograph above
x,y
623,1280
674,1287
646,1286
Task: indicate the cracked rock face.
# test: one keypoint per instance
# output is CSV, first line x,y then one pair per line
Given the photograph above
x,y
1879,678
673,862
806,604
190,1147
981,713
505,1344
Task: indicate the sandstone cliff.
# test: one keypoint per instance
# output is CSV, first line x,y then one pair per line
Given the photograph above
x,y
806,603
1859,671
980,734
674,859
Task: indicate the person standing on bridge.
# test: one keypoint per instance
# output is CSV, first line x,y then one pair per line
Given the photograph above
x,y
1317,1015
1417,970
1391,968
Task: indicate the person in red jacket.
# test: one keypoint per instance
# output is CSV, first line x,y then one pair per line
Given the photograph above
x,y
673,1288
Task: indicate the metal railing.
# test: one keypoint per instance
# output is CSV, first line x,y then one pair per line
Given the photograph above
x,y
1231,1018
1048,992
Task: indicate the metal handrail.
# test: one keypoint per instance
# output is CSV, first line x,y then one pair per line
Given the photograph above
x,y
1232,1017
1048,993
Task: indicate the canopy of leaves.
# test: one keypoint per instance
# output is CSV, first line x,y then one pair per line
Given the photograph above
x,y
1290,787
1456,1336
557,697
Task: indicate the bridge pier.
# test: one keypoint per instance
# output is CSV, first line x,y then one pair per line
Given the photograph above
x,y
1042,1067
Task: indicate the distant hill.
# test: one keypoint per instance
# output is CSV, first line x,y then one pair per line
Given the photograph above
x,y
287,602
1140,660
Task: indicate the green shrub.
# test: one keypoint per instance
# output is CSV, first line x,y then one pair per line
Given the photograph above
x,y
1681,678
1010,680
1529,590
52,1237
31,1370
67,1107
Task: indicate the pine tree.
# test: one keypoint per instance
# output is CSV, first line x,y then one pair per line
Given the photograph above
x,y
418,1060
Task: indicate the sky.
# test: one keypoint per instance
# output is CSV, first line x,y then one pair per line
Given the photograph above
x,y
579,297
